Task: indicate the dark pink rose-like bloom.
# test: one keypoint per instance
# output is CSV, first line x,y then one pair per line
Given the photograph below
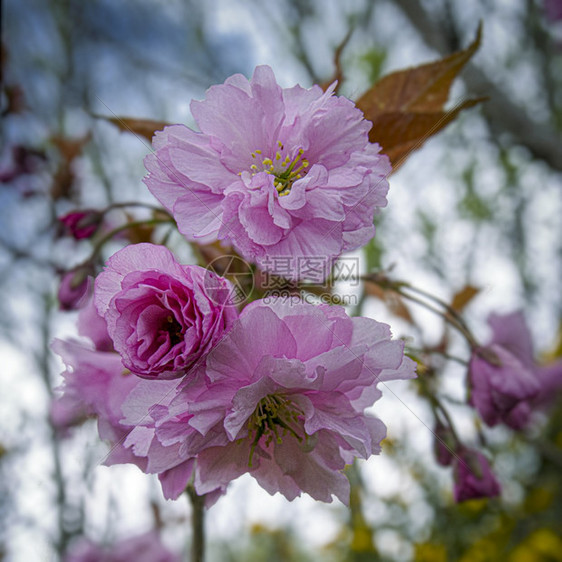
x,y
474,477
506,382
143,548
284,398
163,317
275,172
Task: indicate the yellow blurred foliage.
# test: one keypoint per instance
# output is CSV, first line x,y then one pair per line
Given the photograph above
x,y
541,546
430,552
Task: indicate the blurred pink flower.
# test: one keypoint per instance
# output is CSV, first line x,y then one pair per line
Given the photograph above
x,y
162,316
285,400
95,384
143,548
553,9
501,387
474,477
274,172
75,288
507,385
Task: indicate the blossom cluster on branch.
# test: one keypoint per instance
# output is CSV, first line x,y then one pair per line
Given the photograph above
x,y
182,383
188,385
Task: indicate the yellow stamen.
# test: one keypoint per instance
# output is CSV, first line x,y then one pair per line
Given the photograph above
x,y
272,413
285,170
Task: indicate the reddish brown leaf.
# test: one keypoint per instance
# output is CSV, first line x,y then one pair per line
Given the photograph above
x,y
143,127
70,148
463,297
407,107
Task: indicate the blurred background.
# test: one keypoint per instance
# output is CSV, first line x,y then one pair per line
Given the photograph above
x,y
479,205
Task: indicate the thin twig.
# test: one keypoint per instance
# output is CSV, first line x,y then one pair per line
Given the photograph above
x,y
197,524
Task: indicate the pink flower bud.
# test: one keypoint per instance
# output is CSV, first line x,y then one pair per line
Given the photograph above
x,y
82,224
474,477
74,288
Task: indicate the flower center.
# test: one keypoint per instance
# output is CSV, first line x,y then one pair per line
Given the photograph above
x,y
285,170
274,417
173,328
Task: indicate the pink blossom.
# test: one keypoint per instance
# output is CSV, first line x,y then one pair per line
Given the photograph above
x,y
510,331
143,548
275,172
90,376
285,398
163,317
474,477
506,383
95,385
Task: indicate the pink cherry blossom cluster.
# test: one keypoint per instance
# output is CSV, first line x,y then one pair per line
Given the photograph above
x,y
507,385
185,387
183,384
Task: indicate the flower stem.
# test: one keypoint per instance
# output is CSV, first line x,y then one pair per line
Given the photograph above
x,y
125,204
99,245
197,524
449,314
449,357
